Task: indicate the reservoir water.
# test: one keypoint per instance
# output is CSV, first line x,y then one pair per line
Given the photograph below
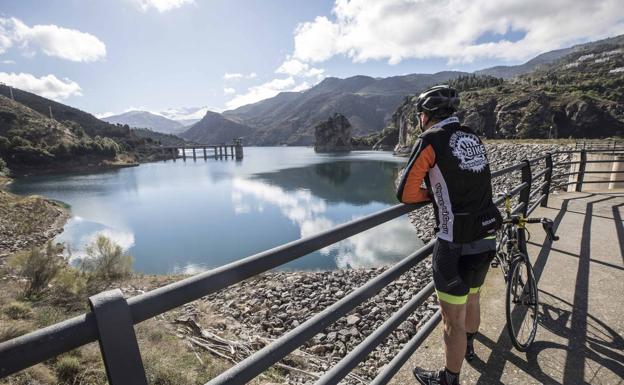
x,y
189,216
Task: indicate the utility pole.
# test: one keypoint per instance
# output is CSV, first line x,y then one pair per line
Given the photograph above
x,y
11,91
50,108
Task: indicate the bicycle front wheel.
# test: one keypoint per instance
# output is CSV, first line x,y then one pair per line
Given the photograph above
x,y
521,303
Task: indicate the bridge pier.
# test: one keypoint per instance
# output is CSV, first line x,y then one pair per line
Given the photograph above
x,y
194,156
205,155
239,150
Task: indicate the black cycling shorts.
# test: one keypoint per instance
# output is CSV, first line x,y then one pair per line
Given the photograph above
x,y
460,268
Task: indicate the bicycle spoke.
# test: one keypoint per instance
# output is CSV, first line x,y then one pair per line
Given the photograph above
x,y
521,304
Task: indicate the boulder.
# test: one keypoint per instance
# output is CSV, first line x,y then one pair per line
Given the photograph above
x,y
333,135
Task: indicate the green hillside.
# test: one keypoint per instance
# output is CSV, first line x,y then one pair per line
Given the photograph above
x,y
32,142
580,95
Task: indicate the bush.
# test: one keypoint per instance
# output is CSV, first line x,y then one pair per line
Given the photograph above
x,y
18,310
67,369
39,267
106,261
5,144
4,170
18,141
69,289
10,330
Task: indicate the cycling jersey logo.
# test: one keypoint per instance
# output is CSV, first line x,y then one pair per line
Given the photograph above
x,y
470,152
443,209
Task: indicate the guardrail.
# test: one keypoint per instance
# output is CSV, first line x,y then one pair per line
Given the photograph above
x,y
112,318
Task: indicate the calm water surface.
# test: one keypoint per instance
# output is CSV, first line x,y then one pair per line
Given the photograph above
x,y
196,215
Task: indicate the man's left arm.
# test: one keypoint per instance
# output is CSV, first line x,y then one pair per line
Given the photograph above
x,y
421,160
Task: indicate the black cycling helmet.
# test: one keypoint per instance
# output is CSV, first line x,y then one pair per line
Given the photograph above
x,y
438,102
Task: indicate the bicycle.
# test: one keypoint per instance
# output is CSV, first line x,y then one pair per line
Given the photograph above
x,y
521,303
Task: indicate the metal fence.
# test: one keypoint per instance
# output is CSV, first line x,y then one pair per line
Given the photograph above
x,y
600,144
112,318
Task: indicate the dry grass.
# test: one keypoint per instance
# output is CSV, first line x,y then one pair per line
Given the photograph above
x,y
167,358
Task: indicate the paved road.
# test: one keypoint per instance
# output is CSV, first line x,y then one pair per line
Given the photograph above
x,y
580,339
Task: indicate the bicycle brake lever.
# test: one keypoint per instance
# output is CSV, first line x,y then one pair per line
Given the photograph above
x,y
548,228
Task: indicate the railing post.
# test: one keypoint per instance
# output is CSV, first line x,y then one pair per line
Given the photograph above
x,y
525,193
118,344
581,171
547,179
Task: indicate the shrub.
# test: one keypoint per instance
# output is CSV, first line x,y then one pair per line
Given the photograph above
x,y
18,141
5,144
4,170
67,369
106,261
39,266
69,289
18,310
11,330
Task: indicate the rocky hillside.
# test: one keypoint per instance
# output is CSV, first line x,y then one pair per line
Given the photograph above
x,y
333,134
580,95
215,129
542,61
144,119
31,141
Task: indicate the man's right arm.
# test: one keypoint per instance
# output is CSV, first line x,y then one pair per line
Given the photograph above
x,y
420,161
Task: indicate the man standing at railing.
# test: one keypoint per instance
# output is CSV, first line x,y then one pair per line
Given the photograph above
x,y
453,163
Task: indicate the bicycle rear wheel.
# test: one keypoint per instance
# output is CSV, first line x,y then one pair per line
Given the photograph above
x,y
521,303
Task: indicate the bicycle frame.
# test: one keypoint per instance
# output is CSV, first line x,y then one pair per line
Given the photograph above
x,y
511,239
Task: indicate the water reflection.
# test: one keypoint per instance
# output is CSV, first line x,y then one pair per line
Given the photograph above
x,y
379,246
80,233
356,182
190,216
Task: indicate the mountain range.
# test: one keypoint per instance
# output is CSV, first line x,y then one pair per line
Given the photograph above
x,y
144,119
369,104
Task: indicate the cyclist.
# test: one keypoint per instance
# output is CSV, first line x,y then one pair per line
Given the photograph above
x,y
453,163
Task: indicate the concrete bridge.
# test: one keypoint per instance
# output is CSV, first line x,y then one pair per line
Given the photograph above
x,y
580,337
217,151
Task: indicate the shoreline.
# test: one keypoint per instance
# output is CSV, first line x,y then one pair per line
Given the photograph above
x,y
28,221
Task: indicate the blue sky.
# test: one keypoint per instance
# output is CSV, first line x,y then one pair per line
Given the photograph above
x,y
110,56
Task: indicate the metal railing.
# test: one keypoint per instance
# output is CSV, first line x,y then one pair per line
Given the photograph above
x,y
600,144
112,318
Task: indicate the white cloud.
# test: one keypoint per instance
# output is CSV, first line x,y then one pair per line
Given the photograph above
x,y
394,30
263,91
309,212
48,86
8,62
228,91
239,76
104,115
296,67
162,5
52,40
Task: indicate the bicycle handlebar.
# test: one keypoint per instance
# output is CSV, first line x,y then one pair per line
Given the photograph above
x,y
547,224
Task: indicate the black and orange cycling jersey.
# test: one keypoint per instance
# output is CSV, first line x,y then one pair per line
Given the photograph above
x,y
452,161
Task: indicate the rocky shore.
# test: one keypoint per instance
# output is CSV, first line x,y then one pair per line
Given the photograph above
x,y
28,221
264,308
